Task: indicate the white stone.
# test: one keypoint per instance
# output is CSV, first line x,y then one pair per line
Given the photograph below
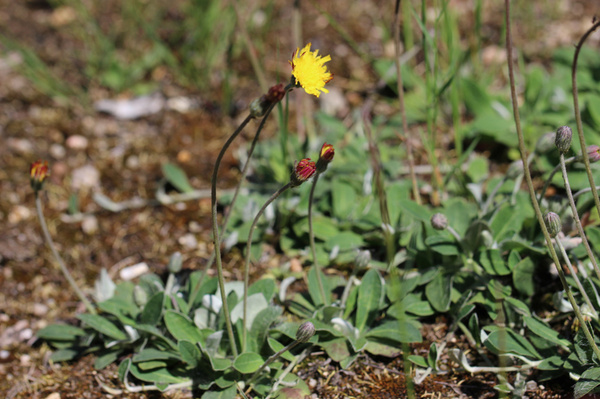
x,y
131,272
85,177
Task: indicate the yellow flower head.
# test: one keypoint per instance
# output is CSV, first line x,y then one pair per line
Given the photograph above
x,y
309,70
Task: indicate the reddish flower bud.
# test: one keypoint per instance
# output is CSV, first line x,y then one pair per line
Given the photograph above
x,y
303,171
593,152
325,157
38,173
259,106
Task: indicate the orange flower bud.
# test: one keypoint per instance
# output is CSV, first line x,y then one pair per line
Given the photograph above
x,y
325,157
38,173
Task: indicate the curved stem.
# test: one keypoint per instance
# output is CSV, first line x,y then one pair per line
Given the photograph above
x,y
491,196
247,262
312,239
271,359
216,237
63,268
227,214
584,154
536,207
586,244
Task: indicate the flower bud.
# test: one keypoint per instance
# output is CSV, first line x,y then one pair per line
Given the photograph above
x,y
363,258
439,221
175,263
593,152
552,221
545,143
515,169
305,332
302,172
140,296
563,138
38,173
325,157
259,107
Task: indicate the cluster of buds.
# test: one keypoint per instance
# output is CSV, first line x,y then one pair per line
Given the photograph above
x,y
259,106
38,173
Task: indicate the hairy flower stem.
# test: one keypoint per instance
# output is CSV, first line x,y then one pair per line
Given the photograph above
x,y
406,138
586,244
217,238
63,268
247,262
584,154
272,358
536,207
227,214
586,298
556,169
311,235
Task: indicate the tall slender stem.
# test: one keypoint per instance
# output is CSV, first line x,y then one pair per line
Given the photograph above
x,y
407,139
63,268
584,294
536,207
584,154
227,214
216,237
586,244
247,262
311,235
549,180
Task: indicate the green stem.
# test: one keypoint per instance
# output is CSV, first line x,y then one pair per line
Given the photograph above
x,y
549,180
216,236
311,235
493,193
586,298
536,207
247,262
63,268
586,244
271,359
400,88
584,154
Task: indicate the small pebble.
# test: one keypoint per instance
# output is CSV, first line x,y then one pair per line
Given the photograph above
x,y
54,395
18,214
4,354
312,383
25,334
85,177
39,309
77,142
131,272
89,224
188,241
57,151
25,360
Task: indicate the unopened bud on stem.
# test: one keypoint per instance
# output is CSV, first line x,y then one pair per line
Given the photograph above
x,y
563,138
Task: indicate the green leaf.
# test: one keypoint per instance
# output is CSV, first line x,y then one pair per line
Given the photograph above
x,y
522,276
344,199
276,346
177,177
103,326
256,303
248,362
265,286
65,355
397,331
60,332
190,353
540,328
345,241
370,293
438,292
159,375
107,358
313,287
181,327
417,211
443,244
589,381
492,262
149,354
418,360
507,341
377,348
153,309
337,348
229,393
258,332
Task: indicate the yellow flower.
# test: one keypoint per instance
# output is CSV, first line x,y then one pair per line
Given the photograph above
x,y
309,70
